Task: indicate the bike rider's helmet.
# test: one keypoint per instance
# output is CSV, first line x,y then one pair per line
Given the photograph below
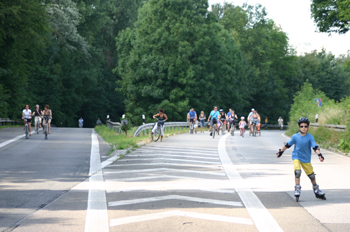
x,y
221,110
242,117
303,120
253,109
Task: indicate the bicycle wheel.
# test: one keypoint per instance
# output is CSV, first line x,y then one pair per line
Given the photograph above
x,y
191,128
223,128
213,131
156,135
37,127
254,130
27,131
46,128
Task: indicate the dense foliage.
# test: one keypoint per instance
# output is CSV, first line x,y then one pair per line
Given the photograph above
x,y
92,58
331,16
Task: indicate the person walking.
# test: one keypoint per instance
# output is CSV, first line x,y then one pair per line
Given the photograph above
x,y
81,122
280,122
266,122
316,117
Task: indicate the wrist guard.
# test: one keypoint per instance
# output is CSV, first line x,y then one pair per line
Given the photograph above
x,y
320,156
316,148
279,153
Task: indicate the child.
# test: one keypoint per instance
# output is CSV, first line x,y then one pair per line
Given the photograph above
x,y
241,125
303,142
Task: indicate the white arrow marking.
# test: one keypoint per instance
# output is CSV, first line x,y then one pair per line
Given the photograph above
x,y
166,169
150,159
182,156
174,197
167,164
154,216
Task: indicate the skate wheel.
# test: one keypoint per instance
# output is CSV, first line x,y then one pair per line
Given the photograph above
x,y
297,199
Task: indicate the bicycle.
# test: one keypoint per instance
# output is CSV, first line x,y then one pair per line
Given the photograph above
x,y
242,132
37,126
46,118
191,126
26,130
156,134
223,127
232,127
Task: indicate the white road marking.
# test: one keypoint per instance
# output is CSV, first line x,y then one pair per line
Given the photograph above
x,y
166,169
167,164
176,152
160,177
186,160
260,215
15,139
177,148
174,197
182,156
154,216
96,215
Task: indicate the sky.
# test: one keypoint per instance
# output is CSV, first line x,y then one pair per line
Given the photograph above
x,y
294,17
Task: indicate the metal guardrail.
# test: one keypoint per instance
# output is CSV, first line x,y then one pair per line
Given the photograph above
x,y
114,126
149,126
6,121
330,126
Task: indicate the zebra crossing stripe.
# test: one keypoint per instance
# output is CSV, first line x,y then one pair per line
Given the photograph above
x,y
157,170
185,160
167,164
167,155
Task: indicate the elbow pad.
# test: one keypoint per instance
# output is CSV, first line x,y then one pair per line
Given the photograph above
x,y
287,145
316,148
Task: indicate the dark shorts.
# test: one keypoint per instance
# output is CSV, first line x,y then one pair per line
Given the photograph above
x,y
29,120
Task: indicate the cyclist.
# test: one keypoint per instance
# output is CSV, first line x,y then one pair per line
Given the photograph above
x,y
228,117
223,118
38,115
241,126
27,117
191,117
47,117
161,119
232,119
255,118
249,119
213,117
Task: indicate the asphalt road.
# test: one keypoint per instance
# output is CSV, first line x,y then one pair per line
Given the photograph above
x,y
185,183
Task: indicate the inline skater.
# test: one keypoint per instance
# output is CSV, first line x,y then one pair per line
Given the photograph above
x,y
303,142
161,119
191,117
213,118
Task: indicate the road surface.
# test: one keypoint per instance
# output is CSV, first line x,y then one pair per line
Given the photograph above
x,y
188,182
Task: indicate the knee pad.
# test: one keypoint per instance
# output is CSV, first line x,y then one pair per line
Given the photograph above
x,y
312,176
297,173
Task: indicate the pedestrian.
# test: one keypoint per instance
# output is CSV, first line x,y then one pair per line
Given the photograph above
x,y
280,122
303,142
316,117
266,122
202,118
81,122
98,122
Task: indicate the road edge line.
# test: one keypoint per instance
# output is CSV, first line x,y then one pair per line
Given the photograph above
x,y
262,218
96,215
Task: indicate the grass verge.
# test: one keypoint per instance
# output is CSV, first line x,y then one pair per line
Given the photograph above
x,y
8,126
122,141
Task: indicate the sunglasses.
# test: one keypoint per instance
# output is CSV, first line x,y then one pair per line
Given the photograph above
x,y
303,126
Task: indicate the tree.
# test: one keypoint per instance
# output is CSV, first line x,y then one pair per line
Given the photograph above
x,y
178,57
331,16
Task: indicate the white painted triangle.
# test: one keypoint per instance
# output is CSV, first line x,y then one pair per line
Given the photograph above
x,y
157,170
166,155
184,160
167,164
174,197
174,213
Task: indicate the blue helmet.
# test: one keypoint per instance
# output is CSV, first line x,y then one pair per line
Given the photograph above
x,y
303,120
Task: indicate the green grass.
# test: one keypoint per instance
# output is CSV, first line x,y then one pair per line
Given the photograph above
x,y
8,126
122,141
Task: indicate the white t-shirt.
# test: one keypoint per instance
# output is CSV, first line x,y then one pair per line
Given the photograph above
x,y
280,120
27,113
81,121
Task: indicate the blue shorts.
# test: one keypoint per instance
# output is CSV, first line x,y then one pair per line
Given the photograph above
x,y
202,123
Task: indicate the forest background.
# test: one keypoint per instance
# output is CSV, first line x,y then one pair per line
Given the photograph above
x,y
93,58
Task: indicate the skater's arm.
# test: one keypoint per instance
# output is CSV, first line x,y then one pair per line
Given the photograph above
x,y
318,152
